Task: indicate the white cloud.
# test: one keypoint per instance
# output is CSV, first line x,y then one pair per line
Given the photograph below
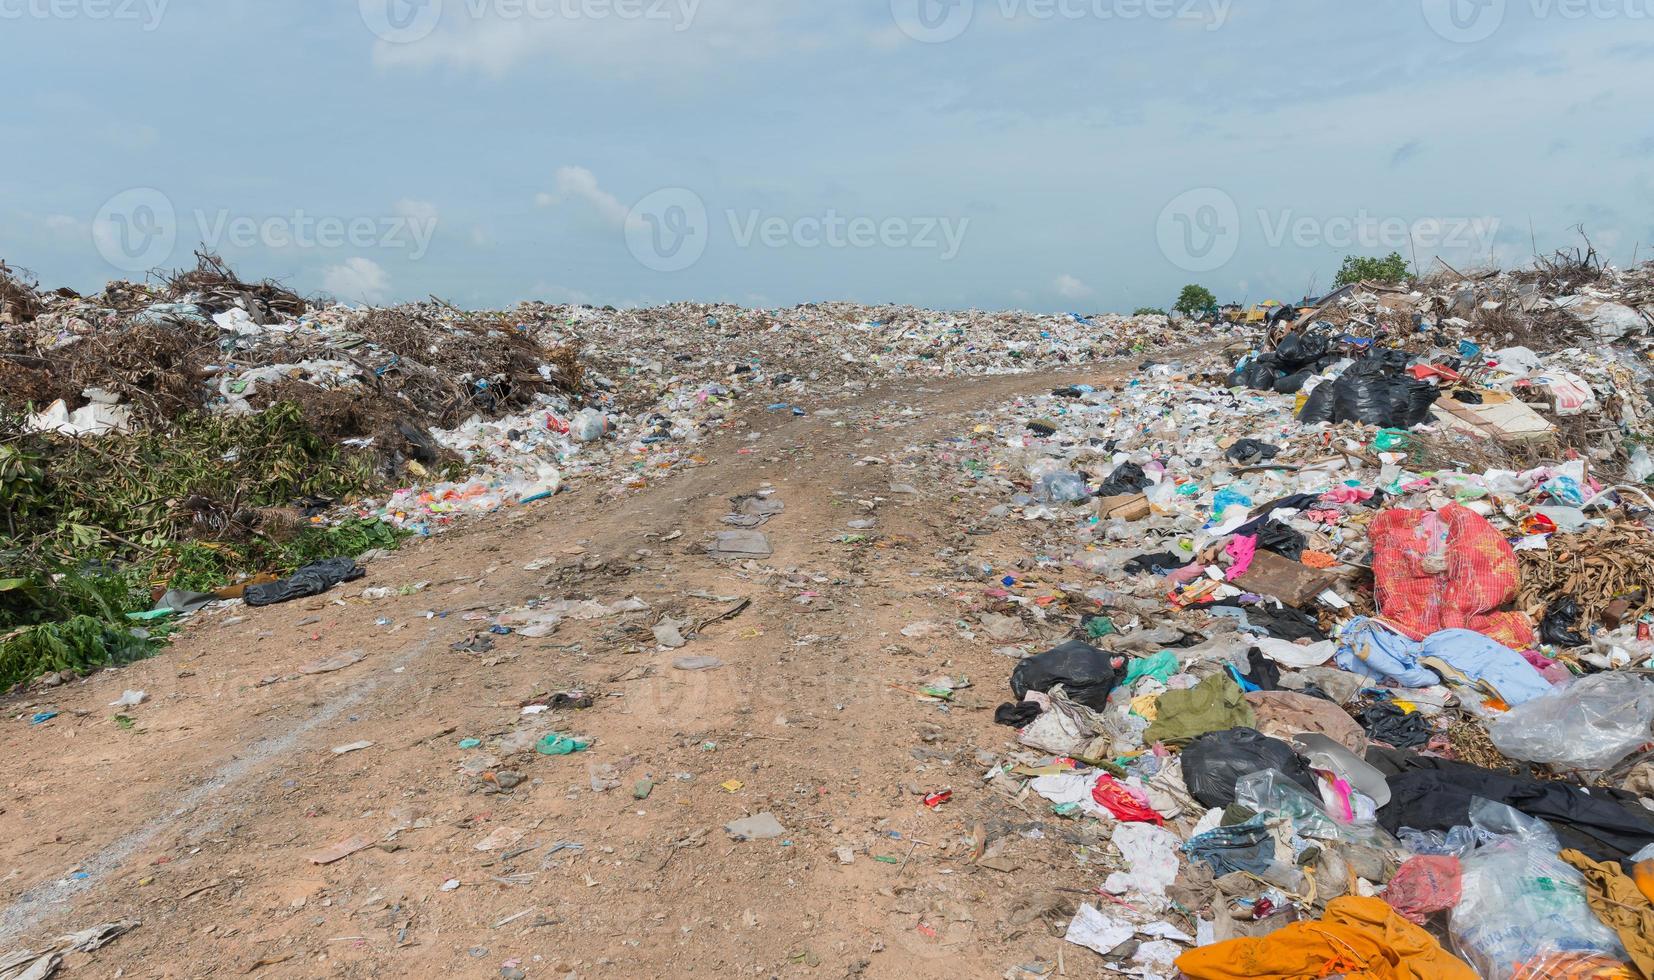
x,y
671,38
578,183
357,280
1072,288
417,210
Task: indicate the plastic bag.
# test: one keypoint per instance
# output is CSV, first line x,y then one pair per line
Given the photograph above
x,y
1298,351
1271,791
589,425
1127,478
312,579
1214,762
1592,724
1252,450
1557,628
1523,909
1061,488
1084,671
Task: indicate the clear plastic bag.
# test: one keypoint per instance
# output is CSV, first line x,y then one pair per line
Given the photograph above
x,y
1272,791
1523,908
1592,724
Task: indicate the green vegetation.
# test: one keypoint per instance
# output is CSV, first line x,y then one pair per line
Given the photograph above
x,y
1358,268
1149,311
1195,300
93,527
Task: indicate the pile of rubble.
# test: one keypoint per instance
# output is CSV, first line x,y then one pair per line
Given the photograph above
x,y
1351,634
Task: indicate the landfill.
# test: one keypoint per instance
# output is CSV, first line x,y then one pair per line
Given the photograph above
x,y
1312,644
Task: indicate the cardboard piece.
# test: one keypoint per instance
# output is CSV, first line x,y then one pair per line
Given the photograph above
x,y
1291,582
1505,419
1125,507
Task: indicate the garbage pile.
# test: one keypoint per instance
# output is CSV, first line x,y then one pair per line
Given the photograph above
x,y
1347,640
192,435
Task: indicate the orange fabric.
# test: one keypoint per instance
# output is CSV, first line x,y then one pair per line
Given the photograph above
x,y
1318,559
1443,571
1359,938
1643,874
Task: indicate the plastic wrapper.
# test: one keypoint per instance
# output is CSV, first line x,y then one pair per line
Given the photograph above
x,y
1523,909
1592,724
1084,671
1214,762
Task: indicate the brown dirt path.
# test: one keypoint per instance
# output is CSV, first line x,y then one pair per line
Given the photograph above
x,y
200,820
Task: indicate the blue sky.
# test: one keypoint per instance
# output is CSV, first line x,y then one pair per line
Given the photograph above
x,y
1042,154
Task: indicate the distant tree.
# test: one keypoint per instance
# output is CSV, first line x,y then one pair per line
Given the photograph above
x,y
1149,311
1195,300
1357,268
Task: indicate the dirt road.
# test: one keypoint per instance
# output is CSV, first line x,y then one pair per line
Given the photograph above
x,y
203,817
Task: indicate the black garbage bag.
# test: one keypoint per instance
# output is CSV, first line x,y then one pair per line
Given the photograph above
x,y
1389,724
1318,406
1126,478
1282,539
1298,351
1377,390
1291,384
1252,451
312,579
1557,628
1084,671
1158,563
1212,763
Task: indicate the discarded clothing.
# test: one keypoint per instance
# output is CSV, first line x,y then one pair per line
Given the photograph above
x,y
1215,704
1424,886
1283,714
1241,549
1359,938
1623,908
1446,570
313,579
1244,847
1281,622
1127,805
1370,648
1435,794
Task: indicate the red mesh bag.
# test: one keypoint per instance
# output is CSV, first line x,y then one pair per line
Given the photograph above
x,y
1446,570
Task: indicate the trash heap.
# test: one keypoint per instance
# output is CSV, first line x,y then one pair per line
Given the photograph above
x,y
1347,637
198,433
